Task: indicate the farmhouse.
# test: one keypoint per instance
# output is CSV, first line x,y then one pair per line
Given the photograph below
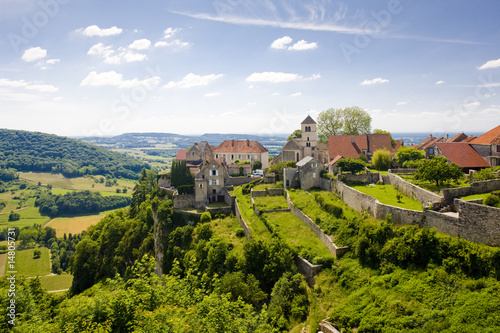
x,y
243,150
488,146
209,183
461,153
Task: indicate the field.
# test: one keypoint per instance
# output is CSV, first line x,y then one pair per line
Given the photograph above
x,y
160,163
58,181
56,282
226,229
29,217
75,224
386,194
268,202
26,265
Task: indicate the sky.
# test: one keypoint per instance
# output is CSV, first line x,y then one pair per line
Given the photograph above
x,y
101,68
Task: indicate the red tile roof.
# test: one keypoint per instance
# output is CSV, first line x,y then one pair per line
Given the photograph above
x,y
350,146
429,141
458,138
492,136
462,154
181,154
240,146
469,138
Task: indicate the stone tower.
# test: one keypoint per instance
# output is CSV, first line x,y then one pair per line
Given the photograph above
x,y
309,139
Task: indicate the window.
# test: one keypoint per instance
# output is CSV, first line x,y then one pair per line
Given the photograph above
x,y
214,182
232,157
216,155
214,172
248,157
201,185
498,148
314,174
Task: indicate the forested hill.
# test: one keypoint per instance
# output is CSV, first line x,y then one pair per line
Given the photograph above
x,y
41,152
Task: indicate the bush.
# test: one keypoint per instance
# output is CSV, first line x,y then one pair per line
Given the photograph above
x,y
333,209
186,189
240,233
37,254
381,159
205,217
484,174
491,200
14,216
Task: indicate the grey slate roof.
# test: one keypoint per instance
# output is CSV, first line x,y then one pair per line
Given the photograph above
x,y
308,120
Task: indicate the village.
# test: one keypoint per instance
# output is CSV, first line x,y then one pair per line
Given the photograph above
x,y
305,163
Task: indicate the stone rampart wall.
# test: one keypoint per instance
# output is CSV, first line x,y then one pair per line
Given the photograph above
x,y
479,223
413,191
183,201
243,223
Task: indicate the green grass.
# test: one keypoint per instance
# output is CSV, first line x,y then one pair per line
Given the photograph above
x,y
257,228
29,217
217,205
475,196
431,186
262,187
26,265
332,198
268,202
56,282
386,194
226,229
297,235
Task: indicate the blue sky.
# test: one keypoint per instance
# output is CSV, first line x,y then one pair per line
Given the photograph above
x,y
86,67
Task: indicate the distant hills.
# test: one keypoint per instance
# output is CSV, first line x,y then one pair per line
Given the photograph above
x,y
41,152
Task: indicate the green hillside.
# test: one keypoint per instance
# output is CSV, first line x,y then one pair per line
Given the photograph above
x,y
40,152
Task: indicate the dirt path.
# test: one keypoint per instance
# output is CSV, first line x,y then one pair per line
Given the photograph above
x,y
3,262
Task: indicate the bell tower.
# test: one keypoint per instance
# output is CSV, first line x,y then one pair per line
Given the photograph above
x,y
309,139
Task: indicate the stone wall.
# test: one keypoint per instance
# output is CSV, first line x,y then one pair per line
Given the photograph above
x,y
368,177
243,223
183,201
403,171
399,215
325,184
355,199
306,268
476,188
444,223
324,238
327,327
275,192
413,191
237,181
255,194
479,223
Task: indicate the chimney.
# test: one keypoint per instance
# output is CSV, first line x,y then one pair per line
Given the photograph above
x,y
352,138
430,135
232,143
248,142
446,137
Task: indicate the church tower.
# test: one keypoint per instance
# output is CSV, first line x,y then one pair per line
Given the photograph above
x,y
309,139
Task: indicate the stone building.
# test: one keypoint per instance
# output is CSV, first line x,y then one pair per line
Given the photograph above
x,y
209,184
242,150
296,149
488,146
306,174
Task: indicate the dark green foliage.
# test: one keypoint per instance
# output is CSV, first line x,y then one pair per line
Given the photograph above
x,y
186,189
205,217
438,170
257,165
485,174
39,152
78,203
406,154
237,286
146,187
381,159
8,174
240,233
332,208
297,134
37,254
13,216
180,174
351,165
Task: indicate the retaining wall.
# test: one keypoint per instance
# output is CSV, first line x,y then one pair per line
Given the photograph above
x,y
306,268
324,238
243,223
479,223
413,191
255,194
275,191
325,184
475,188
184,201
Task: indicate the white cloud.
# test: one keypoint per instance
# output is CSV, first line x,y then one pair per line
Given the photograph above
x,y
440,82
167,41
402,103
281,43
214,94
28,85
111,56
490,64
140,44
193,80
94,30
115,79
273,77
53,61
33,54
472,105
374,81
302,45
296,94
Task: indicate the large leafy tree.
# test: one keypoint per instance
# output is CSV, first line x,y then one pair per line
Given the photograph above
x,y
381,159
352,165
295,135
438,170
409,154
348,121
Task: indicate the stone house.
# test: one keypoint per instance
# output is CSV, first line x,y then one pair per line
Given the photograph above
x,y
351,146
195,156
461,153
307,174
296,149
488,146
242,150
209,184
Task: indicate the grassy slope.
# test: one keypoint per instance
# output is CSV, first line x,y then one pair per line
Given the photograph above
x,y
256,226
29,217
226,229
268,202
386,194
27,266
56,282
75,224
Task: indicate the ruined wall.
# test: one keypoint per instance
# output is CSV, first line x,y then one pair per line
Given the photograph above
x,y
413,191
243,223
325,184
183,201
476,188
479,223
306,268
256,194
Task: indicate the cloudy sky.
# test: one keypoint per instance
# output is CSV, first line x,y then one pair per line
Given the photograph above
x,y
75,67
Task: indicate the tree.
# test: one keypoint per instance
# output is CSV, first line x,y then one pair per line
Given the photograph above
x,y
351,165
348,121
408,154
295,135
257,165
381,159
14,216
37,254
180,174
438,170
379,131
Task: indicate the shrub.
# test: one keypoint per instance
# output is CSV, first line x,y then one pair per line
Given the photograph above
x,y
205,217
37,254
484,174
240,233
333,209
14,216
381,159
491,200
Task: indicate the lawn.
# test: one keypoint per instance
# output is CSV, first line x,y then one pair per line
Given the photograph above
x,y
26,265
297,235
29,217
257,228
386,194
56,282
75,224
268,202
475,196
431,186
226,229
263,187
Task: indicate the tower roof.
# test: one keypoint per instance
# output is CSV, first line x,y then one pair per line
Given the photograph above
x,y
308,120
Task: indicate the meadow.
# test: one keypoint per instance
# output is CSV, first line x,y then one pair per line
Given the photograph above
x,y
26,265
75,224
